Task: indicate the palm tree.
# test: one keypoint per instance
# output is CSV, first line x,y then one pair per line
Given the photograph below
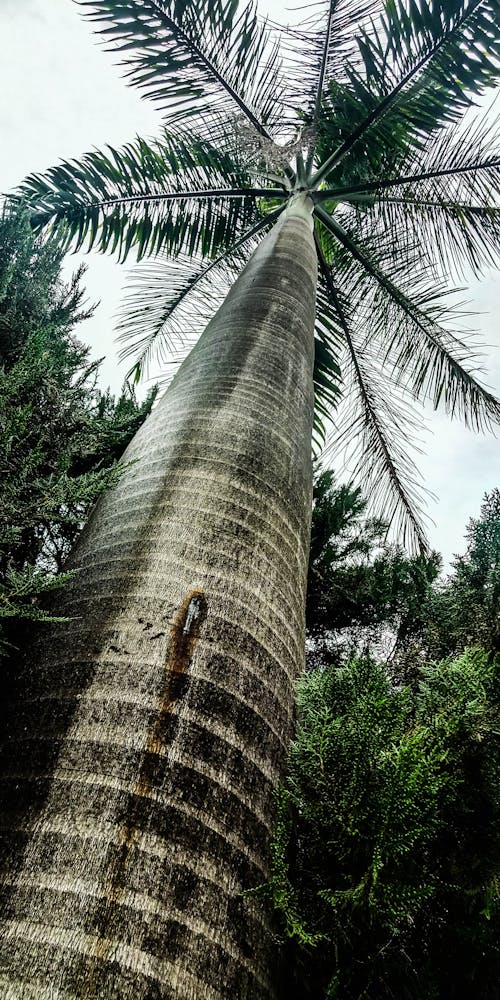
x,y
332,160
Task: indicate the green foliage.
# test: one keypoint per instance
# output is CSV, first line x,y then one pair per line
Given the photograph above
x,y
467,609
464,608
150,196
32,296
60,438
362,592
386,848
367,595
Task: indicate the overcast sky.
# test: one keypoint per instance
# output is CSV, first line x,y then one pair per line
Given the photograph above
x,y
61,95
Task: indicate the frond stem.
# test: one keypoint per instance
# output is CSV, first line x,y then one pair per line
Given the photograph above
x,y
322,71
459,206
186,195
424,175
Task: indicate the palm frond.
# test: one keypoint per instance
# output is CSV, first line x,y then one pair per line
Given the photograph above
x,y
191,55
372,426
177,194
316,49
464,236
468,160
446,199
406,316
167,305
423,64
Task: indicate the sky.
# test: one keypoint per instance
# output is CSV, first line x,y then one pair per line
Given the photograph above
x,y
61,95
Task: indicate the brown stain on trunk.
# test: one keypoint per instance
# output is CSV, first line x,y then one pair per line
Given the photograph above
x,y
183,637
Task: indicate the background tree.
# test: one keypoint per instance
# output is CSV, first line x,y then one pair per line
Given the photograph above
x,y
465,609
367,595
363,593
386,853
60,437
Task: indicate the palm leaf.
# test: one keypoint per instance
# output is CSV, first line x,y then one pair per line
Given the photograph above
x,y
424,67
380,151
190,55
406,315
445,198
464,236
372,426
469,160
177,194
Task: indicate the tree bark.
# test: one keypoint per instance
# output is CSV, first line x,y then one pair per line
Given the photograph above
x,y
153,727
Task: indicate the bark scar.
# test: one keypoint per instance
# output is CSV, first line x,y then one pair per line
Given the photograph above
x,y
184,635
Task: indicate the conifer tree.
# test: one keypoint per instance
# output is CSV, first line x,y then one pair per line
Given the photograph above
x,y
60,436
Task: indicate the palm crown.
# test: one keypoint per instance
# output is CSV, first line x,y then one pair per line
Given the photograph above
x,y
361,106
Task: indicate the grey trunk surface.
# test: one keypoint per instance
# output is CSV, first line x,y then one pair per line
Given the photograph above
x,y
150,731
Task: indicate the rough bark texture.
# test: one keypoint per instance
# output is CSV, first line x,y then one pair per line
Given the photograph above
x,y
151,730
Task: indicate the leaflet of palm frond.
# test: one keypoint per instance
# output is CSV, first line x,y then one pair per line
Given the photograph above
x,y
429,357
460,46
463,161
448,83
373,420
446,369
176,194
327,379
328,329
329,348
171,301
377,153
315,50
327,375
416,331
464,237
375,423
196,54
163,324
424,66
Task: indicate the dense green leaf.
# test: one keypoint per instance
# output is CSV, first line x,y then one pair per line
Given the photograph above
x,y
60,438
179,193
387,821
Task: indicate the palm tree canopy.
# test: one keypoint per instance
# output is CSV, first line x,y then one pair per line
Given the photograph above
x,y
365,107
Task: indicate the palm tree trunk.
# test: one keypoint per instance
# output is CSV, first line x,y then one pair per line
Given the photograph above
x,y
153,728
